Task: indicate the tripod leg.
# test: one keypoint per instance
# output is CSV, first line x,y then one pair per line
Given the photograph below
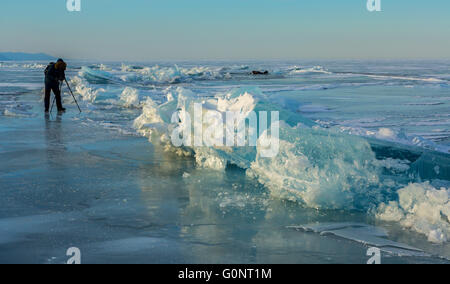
x,y
53,103
68,86
54,96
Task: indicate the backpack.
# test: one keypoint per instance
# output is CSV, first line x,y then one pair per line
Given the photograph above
x,y
48,67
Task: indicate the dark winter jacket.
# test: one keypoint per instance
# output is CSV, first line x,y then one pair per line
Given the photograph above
x,y
53,75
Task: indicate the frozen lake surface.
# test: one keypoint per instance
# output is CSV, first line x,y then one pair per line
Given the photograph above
x,y
94,181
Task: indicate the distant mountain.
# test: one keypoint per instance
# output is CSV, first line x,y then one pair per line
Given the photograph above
x,y
20,56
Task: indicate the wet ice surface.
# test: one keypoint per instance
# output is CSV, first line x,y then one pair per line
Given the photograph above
x,y
120,200
90,181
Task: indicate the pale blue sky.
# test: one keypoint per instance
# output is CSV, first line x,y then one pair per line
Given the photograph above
x,y
227,29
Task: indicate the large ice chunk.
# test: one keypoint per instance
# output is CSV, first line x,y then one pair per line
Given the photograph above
x,y
422,208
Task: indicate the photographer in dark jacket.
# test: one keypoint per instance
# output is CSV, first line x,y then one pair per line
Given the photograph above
x,y
54,73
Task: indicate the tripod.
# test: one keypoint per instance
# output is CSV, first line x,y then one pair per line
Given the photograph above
x,y
60,88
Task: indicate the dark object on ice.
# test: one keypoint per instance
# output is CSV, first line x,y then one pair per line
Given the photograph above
x,y
260,72
54,73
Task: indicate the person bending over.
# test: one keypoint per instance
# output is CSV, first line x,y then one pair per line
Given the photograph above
x,y
54,73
